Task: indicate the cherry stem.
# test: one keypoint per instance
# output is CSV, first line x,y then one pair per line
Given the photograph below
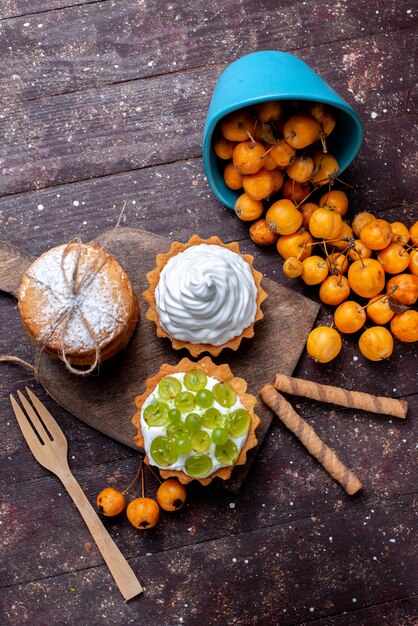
x,y
329,179
251,137
306,197
324,144
344,183
302,250
153,473
328,241
345,252
325,249
273,146
360,258
143,481
293,190
333,265
385,296
135,479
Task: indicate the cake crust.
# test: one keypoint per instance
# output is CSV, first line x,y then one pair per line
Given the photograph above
x,y
224,374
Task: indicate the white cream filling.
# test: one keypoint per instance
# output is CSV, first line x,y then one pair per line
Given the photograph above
x,y
206,294
150,432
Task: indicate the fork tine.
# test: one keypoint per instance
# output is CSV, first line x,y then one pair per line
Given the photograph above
x,y
26,429
36,422
46,416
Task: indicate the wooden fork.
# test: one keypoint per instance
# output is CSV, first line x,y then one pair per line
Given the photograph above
x,y
50,450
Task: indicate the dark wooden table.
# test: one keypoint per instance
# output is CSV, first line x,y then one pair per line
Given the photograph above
x,y
103,102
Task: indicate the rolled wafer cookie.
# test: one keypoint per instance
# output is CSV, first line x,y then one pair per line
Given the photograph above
x,y
308,437
343,397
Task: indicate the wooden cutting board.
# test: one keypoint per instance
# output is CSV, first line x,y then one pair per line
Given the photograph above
x,y
105,400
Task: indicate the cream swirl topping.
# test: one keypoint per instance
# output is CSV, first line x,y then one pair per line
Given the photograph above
x,y
206,294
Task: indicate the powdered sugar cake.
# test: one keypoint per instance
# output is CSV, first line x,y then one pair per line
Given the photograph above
x,y
77,299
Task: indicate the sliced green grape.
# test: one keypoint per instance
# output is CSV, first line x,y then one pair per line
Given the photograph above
x,y
183,445
169,387
205,398
200,441
156,414
220,436
212,418
177,429
239,422
198,465
193,422
227,453
185,402
174,415
163,452
225,422
224,394
195,380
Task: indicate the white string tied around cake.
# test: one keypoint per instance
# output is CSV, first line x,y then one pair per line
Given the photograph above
x,y
76,288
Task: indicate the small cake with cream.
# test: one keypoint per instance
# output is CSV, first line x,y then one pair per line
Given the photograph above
x,y
196,421
204,295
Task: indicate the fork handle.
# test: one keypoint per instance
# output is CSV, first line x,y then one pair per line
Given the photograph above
x,y
119,567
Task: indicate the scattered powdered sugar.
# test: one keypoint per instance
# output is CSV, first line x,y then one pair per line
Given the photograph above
x,y
100,301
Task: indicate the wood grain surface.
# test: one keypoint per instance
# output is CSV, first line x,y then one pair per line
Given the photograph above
x,y
17,8
97,132
106,400
103,102
13,264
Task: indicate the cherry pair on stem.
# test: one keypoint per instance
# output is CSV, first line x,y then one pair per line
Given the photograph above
x,y
143,513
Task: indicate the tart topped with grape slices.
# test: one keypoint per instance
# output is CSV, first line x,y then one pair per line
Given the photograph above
x,y
195,421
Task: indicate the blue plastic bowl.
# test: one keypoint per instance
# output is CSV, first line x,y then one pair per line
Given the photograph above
x,y
271,75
